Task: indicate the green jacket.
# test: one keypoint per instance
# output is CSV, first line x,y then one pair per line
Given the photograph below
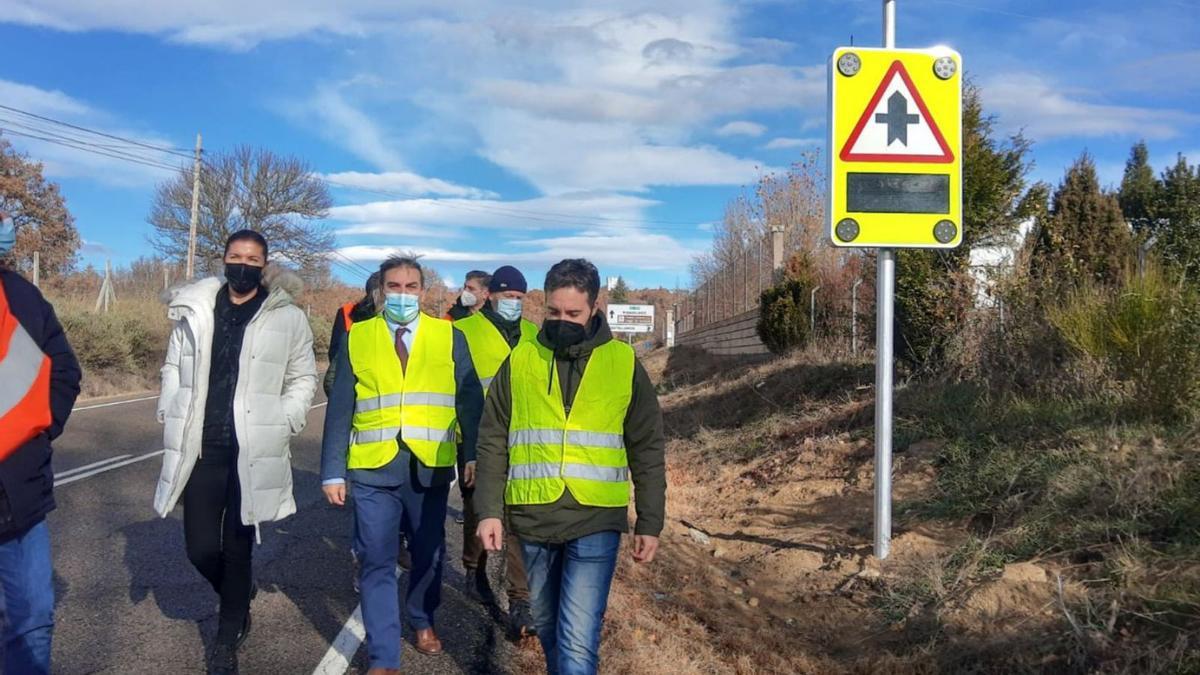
x,y
567,519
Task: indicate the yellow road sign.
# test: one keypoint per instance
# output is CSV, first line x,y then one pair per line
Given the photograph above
x,y
895,147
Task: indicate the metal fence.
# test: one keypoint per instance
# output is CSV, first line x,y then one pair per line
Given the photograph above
x,y
735,289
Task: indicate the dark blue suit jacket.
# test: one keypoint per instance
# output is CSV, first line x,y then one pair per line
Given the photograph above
x,y
405,467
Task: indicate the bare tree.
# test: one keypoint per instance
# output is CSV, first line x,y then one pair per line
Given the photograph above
x,y
254,188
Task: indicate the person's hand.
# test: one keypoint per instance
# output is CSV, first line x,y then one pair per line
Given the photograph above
x,y
644,548
469,475
335,493
491,533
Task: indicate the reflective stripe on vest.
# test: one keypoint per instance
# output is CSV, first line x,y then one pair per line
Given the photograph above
x,y
584,452
488,347
25,374
417,405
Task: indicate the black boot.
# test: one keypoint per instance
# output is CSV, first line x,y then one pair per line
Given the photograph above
x,y
223,660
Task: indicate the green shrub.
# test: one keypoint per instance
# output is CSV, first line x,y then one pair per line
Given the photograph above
x,y
1145,331
783,317
99,340
321,329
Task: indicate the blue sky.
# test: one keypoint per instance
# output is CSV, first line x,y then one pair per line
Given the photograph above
x,y
532,130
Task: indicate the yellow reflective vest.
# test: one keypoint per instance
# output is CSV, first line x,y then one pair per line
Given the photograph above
x,y
488,346
417,405
584,452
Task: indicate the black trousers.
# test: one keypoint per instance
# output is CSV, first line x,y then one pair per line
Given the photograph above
x,y
218,544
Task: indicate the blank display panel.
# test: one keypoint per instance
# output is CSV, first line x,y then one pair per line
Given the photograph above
x,y
897,193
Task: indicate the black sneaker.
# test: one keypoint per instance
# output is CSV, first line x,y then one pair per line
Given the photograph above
x,y
223,660
520,619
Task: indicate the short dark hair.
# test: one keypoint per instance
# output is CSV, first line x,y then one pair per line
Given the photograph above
x,y
574,273
409,260
247,235
484,278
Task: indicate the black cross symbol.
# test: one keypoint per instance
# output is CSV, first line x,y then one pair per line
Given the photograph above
x,y
897,118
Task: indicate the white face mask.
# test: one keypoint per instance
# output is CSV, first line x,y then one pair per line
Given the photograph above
x,y
509,308
468,298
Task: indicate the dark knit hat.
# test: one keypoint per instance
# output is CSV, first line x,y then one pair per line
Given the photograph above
x,y
507,278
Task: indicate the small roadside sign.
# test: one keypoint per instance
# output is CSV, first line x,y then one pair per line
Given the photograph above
x,y
895,148
631,318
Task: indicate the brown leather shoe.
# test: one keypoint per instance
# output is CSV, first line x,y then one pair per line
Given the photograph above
x,y
428,642
384,671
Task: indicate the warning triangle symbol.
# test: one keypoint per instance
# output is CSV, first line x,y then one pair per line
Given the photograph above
x,y
896,126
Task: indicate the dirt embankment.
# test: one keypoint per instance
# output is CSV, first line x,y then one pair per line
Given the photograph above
x,y
766,564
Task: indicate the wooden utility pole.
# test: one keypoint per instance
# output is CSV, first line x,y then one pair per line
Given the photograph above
x,y
37,268
191,258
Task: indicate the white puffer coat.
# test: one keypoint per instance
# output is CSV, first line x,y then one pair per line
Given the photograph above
x,y
277,377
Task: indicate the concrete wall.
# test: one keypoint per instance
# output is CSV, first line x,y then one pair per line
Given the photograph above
x,y
733,336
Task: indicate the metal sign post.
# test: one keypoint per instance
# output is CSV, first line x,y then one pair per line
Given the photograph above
x,y
895,181
885,311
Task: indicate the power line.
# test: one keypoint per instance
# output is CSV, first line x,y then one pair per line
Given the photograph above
x,y
75,141
122,153
95,151
172,151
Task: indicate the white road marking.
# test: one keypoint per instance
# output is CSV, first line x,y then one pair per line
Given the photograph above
x,y
107,405
337,659
106,467
344,646
81,469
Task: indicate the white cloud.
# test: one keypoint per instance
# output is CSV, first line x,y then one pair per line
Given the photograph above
x,y
105,160
785,143
452,217
561,156
404,181
632,250
1044,110
343,123
742,128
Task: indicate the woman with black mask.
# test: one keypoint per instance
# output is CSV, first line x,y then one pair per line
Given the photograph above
x,y
236,386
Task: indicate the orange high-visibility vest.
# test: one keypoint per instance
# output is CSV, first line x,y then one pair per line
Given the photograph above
x,y
346,320
25,372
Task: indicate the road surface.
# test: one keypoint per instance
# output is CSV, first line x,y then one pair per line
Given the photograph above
x,y
130,602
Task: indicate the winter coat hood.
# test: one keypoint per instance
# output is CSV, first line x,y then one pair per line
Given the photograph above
x,y
283,288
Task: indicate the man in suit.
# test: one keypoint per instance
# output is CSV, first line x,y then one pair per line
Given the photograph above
x,y
404,387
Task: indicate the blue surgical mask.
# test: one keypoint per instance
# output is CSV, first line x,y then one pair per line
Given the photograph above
x,y
402,307
509,309
8,235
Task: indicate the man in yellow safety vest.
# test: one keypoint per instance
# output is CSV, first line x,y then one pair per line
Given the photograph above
x,y
570,418
404,387
492,333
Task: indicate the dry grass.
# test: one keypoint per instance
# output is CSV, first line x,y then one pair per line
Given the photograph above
x,y
766,565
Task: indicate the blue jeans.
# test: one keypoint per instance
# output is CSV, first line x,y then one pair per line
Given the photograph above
x,y
27,613
568,593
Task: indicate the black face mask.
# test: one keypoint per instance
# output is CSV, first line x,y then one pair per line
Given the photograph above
x,y
243,278
563,334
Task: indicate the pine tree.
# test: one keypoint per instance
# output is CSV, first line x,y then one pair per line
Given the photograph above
x,y
1139,189
934,288
1178,208
1084,238
620,292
